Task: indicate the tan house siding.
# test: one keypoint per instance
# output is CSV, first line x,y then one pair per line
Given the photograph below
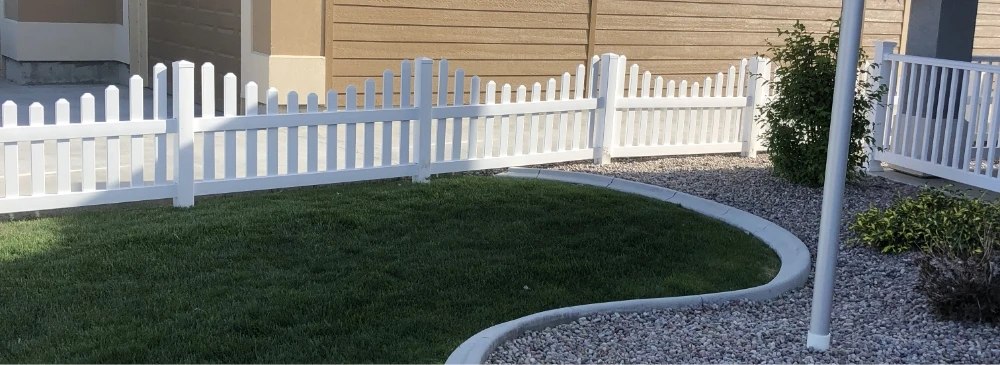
x,y
196,31
511,41
988,28
527,41
693,39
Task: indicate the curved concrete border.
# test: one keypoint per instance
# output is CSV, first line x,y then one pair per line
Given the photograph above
x,y
795,265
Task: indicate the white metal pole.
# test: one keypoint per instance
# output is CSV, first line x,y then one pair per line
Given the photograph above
x,y
852,17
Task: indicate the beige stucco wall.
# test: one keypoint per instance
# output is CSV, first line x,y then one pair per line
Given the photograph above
x,y
283,46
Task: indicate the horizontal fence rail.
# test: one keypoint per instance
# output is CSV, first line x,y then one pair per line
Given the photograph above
x,y
186,149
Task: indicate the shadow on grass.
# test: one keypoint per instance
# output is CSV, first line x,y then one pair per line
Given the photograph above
x,y
381,272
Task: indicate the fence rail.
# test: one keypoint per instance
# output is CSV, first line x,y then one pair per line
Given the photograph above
x,y
600,111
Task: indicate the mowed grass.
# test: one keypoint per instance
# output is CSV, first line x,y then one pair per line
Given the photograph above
x,y
386,272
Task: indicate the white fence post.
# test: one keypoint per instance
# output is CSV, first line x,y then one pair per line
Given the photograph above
x,y
882,48
422,100
607,97
760,71
184,145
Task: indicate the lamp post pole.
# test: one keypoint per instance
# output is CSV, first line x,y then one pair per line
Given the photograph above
x,y
852,18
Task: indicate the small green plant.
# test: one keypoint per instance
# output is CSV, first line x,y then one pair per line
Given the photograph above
x,y
961,285
797,119
935,216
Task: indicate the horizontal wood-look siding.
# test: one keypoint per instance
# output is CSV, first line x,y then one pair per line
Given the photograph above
x,y
509,41
988,28
678,38
196,31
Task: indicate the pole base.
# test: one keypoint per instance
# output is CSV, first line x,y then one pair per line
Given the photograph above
x,y
818,342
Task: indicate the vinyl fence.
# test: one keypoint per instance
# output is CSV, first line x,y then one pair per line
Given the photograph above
x,y
600,111
940,118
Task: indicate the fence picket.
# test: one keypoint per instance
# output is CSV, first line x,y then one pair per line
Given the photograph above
x,y
456,131
983,120
593,79
387,126
939,120
716,135
292,146
491,97
519,124
251,134
331,132
351,130
474,92
729,124
405,88
990,137
312,135
442,124
160,113
956,149
911,147
704,112
891,116
633,87
536,96
550,95
981,106
669,127
898,144
505,122
657,117
136,115
564,116
272,134
10,150
929,120
229,109
88,165
994,139
369,151
208,110
692,117
643,140
111,114
581,119
63,161
36,118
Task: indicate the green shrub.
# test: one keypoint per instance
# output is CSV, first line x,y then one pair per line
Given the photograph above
x,y
936,216
963,286
797,119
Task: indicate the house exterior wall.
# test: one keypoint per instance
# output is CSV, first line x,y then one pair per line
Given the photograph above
x,y
527,41
196,31
65,41
987,28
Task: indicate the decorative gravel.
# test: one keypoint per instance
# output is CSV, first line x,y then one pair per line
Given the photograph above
x,y
878,315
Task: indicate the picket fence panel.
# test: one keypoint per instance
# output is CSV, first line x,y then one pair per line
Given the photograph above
x,y
940,118
595,111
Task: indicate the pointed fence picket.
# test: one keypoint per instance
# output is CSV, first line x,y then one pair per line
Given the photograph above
x,y
598,110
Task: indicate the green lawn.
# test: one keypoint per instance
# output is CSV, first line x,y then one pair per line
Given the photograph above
x,y
381,272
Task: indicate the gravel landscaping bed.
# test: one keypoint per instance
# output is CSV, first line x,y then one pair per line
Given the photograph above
x,y
878,315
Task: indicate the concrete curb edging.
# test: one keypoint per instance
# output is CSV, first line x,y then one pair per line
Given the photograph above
x,y
795,265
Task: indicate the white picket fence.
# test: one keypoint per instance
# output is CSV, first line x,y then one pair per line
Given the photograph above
x,y
180,155
940,118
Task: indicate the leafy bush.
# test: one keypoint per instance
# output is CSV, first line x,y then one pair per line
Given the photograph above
x,y
797,119
936,216
962,286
